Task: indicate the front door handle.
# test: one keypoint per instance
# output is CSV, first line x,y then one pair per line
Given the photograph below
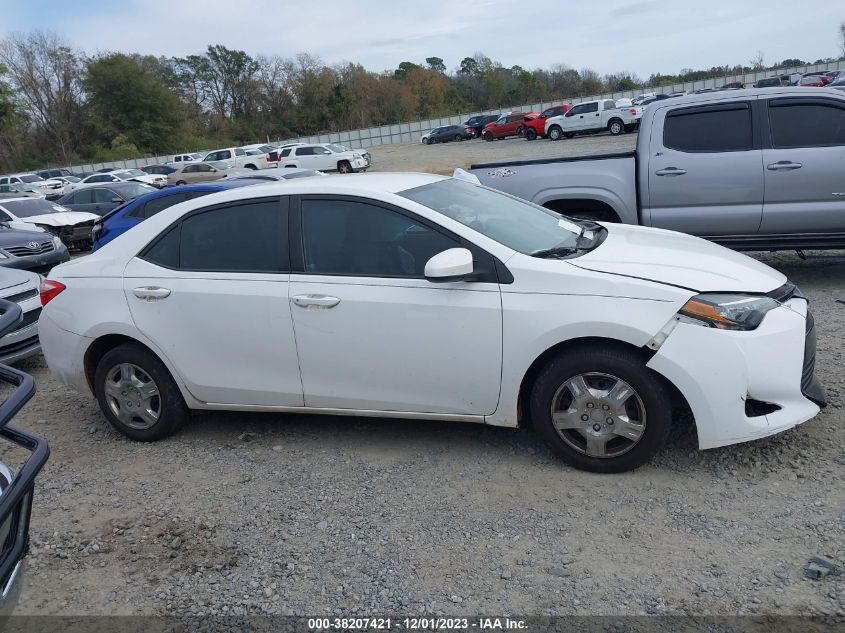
x,y
151,293
315,302
670,171
784,164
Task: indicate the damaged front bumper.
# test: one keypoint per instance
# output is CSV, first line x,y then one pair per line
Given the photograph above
x,y
744,385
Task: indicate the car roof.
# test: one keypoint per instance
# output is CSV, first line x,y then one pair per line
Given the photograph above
x,y
740,93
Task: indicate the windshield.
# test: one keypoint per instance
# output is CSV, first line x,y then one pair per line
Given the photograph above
x,y
31,178
337,149
520,225
129,173
31,207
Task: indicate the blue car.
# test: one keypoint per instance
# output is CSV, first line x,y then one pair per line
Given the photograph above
x,y
122,218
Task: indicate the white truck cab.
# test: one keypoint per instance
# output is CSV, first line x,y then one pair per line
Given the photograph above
x,y
593,116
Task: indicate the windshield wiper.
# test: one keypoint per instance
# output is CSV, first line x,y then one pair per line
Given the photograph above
x,y
557,251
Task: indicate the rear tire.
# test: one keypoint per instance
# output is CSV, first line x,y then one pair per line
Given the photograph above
x,y
181,182
555,133
616,127
458,137
626,406
252,167
123,381
530,134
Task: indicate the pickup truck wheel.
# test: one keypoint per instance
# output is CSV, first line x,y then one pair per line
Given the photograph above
x,y
555,133
530,134
344,167
487,136
601,409
138,395
616,127
252,167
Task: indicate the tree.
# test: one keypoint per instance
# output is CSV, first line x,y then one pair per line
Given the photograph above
x,y
436,64
404,68
469,66
45,74
127,100
842,37
757,62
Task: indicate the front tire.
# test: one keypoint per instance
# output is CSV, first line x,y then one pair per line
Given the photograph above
x,y
601,409
530,134
520,130
344,167
488,136
555,133
138,395
425,141
181,182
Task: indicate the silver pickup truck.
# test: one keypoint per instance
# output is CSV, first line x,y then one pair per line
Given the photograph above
x,y
759,169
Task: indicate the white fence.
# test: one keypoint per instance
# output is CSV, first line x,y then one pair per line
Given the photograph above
x,y
411,132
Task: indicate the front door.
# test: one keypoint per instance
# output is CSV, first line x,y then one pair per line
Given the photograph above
x,y
705,173
805,167
371,331
212,293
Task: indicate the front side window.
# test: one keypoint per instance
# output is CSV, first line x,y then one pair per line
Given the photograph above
x,y
721,128
243,237
344,237
806,124
190,169
520,225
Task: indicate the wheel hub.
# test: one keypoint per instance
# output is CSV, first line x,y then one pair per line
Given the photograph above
x,y
598,414
132,396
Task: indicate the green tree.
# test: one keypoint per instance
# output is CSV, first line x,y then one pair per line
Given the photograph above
x,y
127,102
404,68
469,66
436,64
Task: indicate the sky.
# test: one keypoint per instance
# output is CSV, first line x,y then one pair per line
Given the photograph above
x,y
638,36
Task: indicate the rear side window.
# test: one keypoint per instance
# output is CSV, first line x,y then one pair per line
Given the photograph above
x,y
243,237
285,152
591,107
709,129
155,205
806,124
609,105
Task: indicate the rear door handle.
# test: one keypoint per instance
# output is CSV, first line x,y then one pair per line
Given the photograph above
x,y
151,293
670,171
315,302
783,164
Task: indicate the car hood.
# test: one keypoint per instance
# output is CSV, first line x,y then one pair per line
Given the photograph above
x,y
14,237
64,218
679,260
11,277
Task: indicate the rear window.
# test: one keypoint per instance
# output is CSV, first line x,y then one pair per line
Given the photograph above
x,y
724,128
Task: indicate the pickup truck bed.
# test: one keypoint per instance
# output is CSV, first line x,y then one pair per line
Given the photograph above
x,y
757,169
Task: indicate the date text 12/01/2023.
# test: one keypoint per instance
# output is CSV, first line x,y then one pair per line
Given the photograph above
x,y
415,624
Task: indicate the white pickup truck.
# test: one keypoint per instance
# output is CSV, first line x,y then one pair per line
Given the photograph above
x,y
593,116
236,157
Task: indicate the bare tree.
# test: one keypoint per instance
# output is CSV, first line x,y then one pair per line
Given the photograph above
x,y
757,62
46,74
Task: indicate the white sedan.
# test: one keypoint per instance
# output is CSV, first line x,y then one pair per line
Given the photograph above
x,y
423,297
71,227
120,175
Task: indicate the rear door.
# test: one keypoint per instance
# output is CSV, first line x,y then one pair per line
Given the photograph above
x,y
82,200
705,170
804,161
212,293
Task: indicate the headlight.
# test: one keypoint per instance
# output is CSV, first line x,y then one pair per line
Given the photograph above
x,y
357,156
57,242
727,311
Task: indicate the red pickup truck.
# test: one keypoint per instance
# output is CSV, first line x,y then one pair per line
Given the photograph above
x,y
535,126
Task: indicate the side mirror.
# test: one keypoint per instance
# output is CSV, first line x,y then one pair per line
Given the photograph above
x,y
570,113
450,265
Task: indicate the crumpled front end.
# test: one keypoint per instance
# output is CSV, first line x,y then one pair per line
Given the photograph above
x,y
744,385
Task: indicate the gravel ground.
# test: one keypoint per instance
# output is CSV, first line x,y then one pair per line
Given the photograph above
x,y
291,514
